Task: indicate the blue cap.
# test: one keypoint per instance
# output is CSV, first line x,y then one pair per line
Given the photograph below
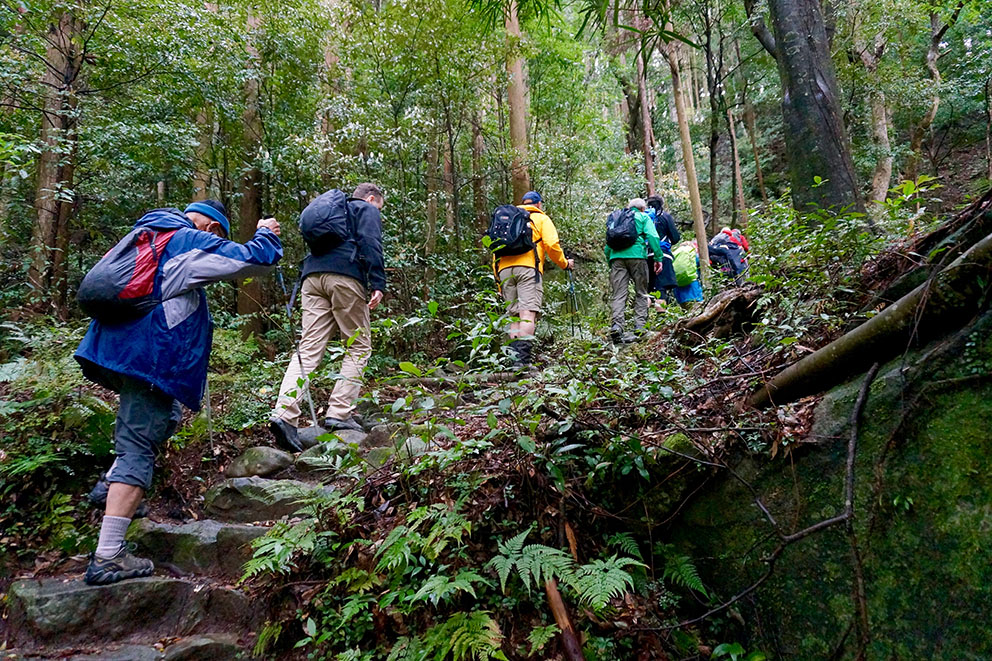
x,y
532,196
209,208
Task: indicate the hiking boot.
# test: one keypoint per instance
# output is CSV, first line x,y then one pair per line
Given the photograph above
x,y
98,497
521,350
124,565
628,338
285,435
333,424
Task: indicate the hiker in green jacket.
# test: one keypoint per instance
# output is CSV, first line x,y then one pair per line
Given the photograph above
x,y
631,264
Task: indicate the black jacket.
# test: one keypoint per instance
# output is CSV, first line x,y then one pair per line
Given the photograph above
x,y
366,264
667,231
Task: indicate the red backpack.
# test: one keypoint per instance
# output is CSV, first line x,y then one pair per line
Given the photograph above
x,y
121,287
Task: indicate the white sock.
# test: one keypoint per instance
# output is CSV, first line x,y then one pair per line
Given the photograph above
x,y
111,536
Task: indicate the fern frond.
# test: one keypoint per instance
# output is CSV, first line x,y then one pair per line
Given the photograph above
x,y
626,543
541,636
543,562
466,636
680,570
601,580
440,588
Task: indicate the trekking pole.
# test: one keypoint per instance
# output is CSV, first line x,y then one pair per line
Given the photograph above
x,y
296,342
210,421
573,301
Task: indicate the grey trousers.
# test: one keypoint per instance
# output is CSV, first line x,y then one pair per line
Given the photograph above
x,y
147,418
622,272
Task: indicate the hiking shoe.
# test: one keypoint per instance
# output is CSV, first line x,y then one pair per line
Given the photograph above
x,y
285,435
124,565
98,497
333,424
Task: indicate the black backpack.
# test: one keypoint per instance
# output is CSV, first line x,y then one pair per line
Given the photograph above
x,y
326,223
510,232
121,287
621,229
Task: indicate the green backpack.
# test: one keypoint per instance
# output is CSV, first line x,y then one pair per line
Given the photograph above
x,y
684,261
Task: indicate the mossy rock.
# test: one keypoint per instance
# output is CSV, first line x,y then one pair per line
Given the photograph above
x,y
923,534
250,499
261,461
206,546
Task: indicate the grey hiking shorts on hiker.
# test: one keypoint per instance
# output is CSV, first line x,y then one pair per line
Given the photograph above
x,y
522,289
147,418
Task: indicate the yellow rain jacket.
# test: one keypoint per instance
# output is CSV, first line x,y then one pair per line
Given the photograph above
x,y
546,238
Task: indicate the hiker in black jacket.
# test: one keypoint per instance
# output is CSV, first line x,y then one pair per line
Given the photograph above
x,y
668,236
339,290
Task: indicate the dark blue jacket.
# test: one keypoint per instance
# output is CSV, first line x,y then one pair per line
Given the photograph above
x,y
169,347
363,262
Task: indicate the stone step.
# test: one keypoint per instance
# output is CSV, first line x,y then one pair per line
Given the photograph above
x,y
251,499
260,461
205,547
311,436
60,612
205,647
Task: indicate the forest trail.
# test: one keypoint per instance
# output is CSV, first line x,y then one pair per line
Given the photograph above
x,y
192,608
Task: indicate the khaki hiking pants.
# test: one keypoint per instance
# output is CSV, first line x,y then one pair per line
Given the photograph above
x,y
332,305
622,273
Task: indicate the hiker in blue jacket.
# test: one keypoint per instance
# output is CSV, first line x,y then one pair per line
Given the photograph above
x,y
159,361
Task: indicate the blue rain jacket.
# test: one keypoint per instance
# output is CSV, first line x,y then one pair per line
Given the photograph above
x,y
169,347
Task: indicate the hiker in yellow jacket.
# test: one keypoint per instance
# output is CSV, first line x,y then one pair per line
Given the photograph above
x,y
520,279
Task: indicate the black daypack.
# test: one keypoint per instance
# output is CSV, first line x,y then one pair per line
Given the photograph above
x,y
621,229
326,222
510,232
121,287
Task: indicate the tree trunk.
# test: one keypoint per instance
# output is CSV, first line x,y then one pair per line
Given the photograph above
x,y
740,208
918,132
882,176
870,57
430,177
54,197
449,193
480,203
714,86
517,102
201,175
713,184
940,304
816,142
749,127
690,164
250,292
677,145
642,89
988,126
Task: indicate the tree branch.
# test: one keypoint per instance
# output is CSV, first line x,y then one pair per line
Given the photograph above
x,y
760,30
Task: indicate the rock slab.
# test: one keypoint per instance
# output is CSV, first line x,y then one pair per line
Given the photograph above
x,y
248,499
259,461
207,547
53,612
208,647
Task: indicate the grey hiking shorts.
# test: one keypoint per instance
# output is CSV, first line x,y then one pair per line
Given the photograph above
x,y
147,418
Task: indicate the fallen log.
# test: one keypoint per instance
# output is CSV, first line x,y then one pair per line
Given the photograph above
x,y
569,639
491,377
941,304
901,270
727,313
